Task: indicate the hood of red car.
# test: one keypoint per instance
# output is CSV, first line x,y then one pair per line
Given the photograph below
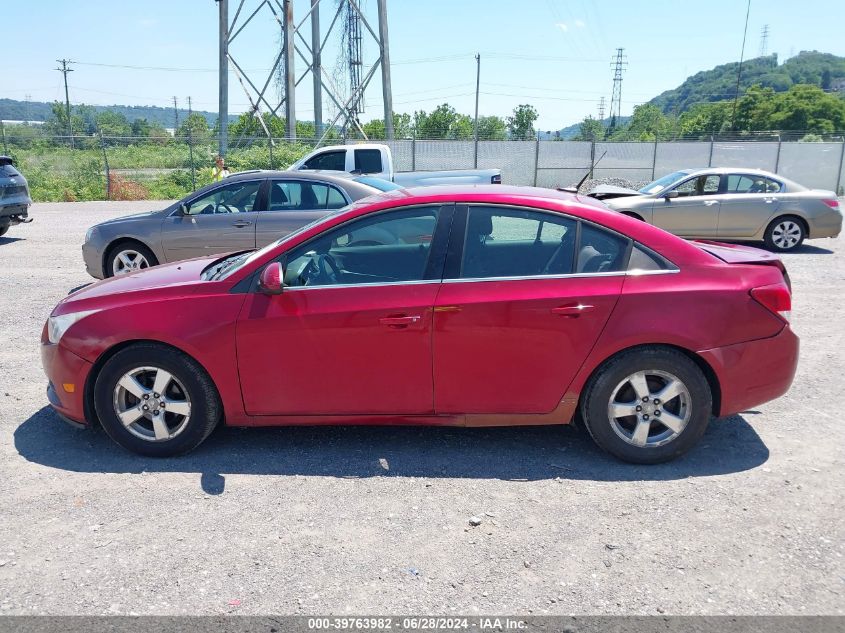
x,y
168,277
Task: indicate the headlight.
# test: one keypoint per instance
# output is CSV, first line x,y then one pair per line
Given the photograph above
x,y
89,234
58,325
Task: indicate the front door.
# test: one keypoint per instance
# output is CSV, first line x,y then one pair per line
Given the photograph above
x,y
351,333
695,210
218,221
293,204
518,314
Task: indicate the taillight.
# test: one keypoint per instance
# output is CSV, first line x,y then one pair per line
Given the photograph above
x,y
496,180
833,203
775,298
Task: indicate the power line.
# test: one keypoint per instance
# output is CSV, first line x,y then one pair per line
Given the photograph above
x,y
739,68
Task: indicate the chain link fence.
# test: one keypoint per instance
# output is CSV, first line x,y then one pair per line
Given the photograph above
x,y
128,168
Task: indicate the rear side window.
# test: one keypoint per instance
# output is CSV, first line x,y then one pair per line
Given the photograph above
x,y
368,161
335,161
751,184
296,195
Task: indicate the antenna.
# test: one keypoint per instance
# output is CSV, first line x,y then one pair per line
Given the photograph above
x,y
619,65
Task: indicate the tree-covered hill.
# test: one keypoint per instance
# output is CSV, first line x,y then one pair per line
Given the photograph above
x,y
719,84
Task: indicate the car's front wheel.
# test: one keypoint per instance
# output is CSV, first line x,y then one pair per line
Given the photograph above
x,y
128,257
156,401
785,234
647,405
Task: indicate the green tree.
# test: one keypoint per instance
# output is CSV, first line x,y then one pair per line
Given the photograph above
x,y
492,128
401,127
590,130
113,124
521,123
444,122
195,125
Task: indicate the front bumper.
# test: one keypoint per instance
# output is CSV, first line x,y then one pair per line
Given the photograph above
x,y
754,372
93,260
67,374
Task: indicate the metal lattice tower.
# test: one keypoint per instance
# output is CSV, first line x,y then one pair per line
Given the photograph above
x,y
619,65
764,40
307,49
601,109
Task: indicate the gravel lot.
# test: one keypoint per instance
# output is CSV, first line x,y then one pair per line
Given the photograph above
x,y
375,520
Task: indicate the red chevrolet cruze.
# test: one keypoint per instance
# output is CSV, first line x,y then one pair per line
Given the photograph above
x,y
444,306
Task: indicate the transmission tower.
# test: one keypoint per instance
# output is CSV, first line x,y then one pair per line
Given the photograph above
x,y
355,62
619,65
601,109
764,40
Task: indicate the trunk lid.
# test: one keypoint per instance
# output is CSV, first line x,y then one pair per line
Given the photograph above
x,y
741,254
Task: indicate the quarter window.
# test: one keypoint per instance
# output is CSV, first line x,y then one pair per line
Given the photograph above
x,y
296,195
389,247
238,197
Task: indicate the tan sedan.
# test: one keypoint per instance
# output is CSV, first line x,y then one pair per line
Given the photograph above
x,y
731,204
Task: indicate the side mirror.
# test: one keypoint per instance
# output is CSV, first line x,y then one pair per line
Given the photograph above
x,y
670,194
270,282
183,209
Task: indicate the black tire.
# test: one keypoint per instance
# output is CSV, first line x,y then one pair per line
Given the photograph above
x,y
785,234
205,407
4,230
120,247
597,396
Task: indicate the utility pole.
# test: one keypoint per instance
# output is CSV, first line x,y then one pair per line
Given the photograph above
x,y
618,64
26,111
739,69
175,117
223,77
191,147
477,86
65,70
387,91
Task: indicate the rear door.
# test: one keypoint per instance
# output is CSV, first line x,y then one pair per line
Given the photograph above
x,y
217,221
525,296
748,203
292,203
694,212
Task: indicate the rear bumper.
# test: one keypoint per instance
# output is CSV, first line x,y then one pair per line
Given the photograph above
x,y
827,225
66,373
754,372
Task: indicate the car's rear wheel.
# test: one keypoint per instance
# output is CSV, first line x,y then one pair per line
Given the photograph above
x,y
156,401
785,234
647,405
128,257
4,230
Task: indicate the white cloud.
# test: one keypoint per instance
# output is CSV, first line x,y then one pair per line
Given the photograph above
x,y
580,24
562,26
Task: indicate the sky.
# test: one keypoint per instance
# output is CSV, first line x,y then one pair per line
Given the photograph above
x,y
553,54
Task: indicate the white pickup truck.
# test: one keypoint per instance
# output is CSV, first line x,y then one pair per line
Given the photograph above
x,y
376,160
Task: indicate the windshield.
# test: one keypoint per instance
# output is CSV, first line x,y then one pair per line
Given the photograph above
x,y
663,183
377,183
226,267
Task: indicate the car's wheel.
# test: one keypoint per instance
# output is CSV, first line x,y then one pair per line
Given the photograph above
x,y
156,401
4,230
785,234
128,257
647,405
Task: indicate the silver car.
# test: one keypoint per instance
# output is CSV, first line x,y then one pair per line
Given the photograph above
x,y
243,212
731,204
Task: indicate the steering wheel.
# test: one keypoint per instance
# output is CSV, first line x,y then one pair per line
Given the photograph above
x,y
327,269
225,206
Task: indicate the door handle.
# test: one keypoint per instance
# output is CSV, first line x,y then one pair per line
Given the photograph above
x,y
710,203
241,223
399,321
572,310
770,200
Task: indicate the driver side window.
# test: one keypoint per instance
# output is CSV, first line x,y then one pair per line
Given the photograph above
x,y
389,247
699,186
238,197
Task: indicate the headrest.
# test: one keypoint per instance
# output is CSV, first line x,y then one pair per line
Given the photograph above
x,y
480,223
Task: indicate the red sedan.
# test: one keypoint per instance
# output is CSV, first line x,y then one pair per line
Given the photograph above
x,y
439,306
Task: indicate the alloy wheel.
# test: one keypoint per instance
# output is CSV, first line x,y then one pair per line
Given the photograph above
x,y
152,404
786,234
127,261
649,408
